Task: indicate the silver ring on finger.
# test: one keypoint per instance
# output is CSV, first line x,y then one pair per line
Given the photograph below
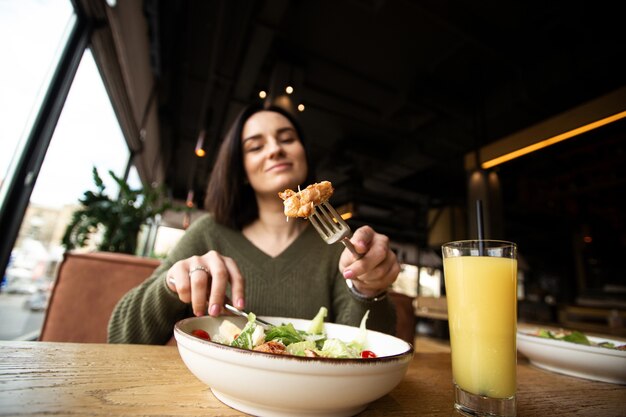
x,y
198,268
171,280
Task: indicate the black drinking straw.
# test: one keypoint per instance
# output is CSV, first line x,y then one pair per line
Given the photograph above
x,y
479,223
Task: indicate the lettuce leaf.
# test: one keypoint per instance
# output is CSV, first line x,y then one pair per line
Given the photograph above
x,y
298,348
545,333
361,338
577,337
573,337
317,324
285,333
335,348
245,339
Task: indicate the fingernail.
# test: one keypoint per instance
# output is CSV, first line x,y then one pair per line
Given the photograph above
x,y
239,304
348,274
214,310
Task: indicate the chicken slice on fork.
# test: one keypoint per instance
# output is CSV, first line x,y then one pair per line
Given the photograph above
x,y
312,203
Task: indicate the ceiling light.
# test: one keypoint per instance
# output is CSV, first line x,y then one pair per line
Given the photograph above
x,y
262,94
200,152
289,89
300,107
551,141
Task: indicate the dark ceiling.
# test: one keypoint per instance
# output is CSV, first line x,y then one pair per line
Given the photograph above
x,y
396,92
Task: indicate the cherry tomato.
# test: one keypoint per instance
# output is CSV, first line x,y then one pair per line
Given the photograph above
x,y
368,354
201,334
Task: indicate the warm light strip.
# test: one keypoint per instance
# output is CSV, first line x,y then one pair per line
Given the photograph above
x,y
551,141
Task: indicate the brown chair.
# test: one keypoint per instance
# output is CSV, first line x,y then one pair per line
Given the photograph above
x,y
87,288
431,307
405,316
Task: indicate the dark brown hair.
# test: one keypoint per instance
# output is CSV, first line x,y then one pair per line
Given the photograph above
x,y
229,197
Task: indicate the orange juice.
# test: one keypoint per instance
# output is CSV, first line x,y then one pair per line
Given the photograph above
x,y
482,314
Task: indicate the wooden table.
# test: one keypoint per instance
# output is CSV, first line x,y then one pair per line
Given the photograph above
x,y
70,379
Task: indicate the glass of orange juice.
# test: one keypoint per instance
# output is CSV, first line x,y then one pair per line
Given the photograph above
x,y
481,288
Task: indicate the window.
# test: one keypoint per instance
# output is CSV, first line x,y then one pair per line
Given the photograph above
x,y
430,282
33,33
406,283
166,239
87,134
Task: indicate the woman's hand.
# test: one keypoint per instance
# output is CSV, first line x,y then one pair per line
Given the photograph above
x,y
202,281
377,269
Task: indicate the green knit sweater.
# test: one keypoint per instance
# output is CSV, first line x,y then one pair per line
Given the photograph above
x,y
294,284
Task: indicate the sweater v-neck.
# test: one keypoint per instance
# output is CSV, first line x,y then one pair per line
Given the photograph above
x,y
296,249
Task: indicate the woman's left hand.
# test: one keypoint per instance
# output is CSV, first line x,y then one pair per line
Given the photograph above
x,y
377,269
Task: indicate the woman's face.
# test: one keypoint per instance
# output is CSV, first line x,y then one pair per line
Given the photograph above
x,y
273,156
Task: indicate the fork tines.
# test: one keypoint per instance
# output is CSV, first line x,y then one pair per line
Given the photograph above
x,y
329,223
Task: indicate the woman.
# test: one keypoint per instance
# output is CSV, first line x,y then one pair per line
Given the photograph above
x,y
246,251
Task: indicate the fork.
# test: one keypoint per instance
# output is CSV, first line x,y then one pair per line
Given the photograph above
x,y
265,324
331,227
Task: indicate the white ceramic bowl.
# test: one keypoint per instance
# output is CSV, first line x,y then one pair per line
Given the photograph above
x,y
588,362
264,384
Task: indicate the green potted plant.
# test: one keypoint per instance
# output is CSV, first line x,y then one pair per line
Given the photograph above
x,y
121,217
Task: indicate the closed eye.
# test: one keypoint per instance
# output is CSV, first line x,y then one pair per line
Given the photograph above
x,y
253,144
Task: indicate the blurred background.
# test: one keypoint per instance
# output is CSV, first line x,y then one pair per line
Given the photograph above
x,y
407,105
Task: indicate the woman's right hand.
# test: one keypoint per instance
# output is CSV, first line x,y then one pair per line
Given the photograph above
x,y
202,281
